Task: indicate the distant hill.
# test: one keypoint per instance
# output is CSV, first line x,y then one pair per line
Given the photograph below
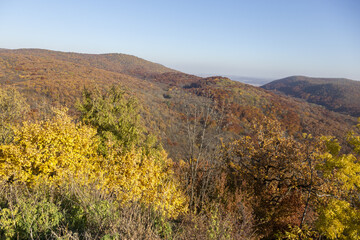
x,y
337,94
51,78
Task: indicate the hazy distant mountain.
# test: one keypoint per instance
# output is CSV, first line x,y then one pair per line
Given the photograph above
x,y
248,80
337,94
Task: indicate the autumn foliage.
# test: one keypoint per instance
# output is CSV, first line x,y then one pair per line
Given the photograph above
x,y
56,151
49,152
247,163
299,189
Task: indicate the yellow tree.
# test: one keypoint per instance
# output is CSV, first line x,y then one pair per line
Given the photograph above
x,y
339,202
135,175
49,151
59,151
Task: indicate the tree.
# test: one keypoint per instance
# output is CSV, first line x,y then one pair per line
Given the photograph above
x,y
49,152
277,171
59,151
114,114
302,189
203,124
339,202
130,151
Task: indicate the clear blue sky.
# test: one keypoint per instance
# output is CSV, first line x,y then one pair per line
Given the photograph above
x,y
270,39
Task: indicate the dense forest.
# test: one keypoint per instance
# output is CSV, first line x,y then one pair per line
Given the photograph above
x,y
337,94
112,146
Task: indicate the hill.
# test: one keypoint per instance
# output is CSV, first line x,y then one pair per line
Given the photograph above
x,y
171,100
121,63
337,94
244,167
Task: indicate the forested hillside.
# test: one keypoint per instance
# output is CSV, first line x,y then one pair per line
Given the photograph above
x,y
337,94
49,78
111,146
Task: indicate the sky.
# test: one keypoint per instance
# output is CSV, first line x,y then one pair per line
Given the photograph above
x,y
254,38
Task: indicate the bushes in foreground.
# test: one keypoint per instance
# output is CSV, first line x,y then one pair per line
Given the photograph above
x,y
71,212
58,182
57,151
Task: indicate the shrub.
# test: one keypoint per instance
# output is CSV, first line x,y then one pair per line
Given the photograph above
x,y
58,151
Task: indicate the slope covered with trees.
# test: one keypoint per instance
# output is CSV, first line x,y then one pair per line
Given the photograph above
x,y
159,154
337,94
105,177
48,78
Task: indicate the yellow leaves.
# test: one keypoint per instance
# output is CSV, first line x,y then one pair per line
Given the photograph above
x,y
332,144
48,151
354,140
339,216
344,168
337,220
307,136
58,151
183,164
135,176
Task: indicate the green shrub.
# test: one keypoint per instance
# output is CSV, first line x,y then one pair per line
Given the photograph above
x,y
29,215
